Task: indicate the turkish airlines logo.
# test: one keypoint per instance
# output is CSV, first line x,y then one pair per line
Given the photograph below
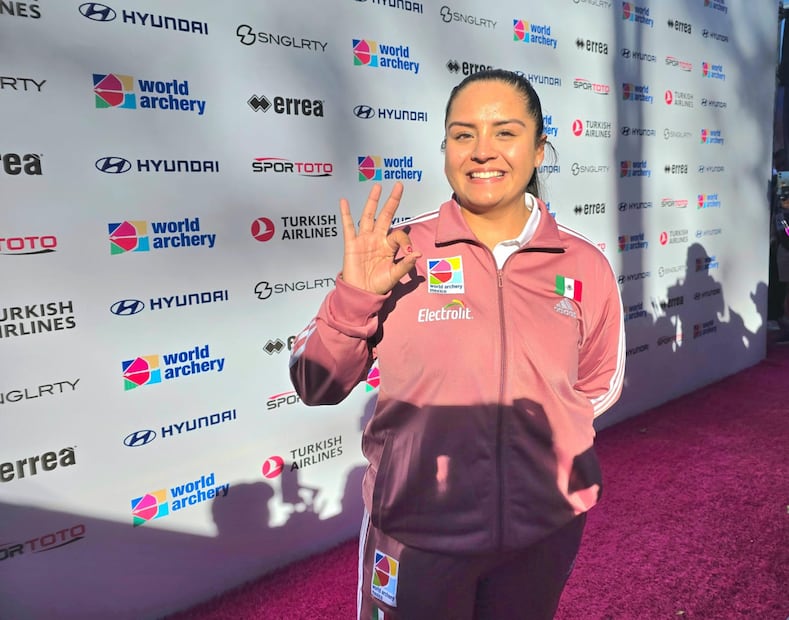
x,y
669,97
127,307
139,438
578,127
272,467
113,165
262,229
97,12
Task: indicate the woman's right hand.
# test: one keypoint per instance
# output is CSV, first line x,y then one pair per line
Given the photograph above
x,y
369,259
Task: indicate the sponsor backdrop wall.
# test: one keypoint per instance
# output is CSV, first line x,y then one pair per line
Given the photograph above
x,y
169,178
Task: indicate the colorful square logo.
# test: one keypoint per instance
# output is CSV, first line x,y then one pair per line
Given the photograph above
x,y
628,12
373,379
150,506
369,167
113,90
520,30
445,275
365,52
128,237
385,576
141,371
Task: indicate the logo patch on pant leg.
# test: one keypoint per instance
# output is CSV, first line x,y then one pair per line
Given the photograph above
x,y
386,571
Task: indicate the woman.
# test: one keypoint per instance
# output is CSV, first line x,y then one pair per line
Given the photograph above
x,y
499,338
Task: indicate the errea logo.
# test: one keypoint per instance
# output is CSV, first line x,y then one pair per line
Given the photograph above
x,y
34,465
291,106
14,164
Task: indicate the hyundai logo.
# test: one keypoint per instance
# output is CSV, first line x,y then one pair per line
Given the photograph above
x,y
127,307
364,111
113,165
97,12
139,438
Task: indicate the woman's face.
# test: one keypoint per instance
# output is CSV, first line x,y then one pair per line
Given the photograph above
x,y
491,147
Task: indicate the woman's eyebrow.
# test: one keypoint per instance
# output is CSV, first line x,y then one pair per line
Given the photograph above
x,y
517,121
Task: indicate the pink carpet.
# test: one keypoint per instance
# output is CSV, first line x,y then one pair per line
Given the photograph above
x,y
694,521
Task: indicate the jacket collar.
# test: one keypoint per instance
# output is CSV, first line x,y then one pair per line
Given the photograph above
x,y
452,228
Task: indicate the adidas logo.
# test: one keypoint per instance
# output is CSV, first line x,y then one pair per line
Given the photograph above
x,y
566,308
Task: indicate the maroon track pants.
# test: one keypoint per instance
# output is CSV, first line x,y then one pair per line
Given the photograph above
x,y
404,583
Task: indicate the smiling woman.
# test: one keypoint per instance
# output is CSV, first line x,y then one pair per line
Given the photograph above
x,y
498,336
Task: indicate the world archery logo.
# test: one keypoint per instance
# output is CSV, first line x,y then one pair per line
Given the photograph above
x,y
150,506
376,168
369,167
365,52
132,236
445,275
156,504
537,34
128,236
373,379
114,90
140,371
145,369
384,579
368,53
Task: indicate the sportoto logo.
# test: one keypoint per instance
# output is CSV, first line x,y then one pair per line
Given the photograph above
x,y
127,307
113,165
139,438
97,12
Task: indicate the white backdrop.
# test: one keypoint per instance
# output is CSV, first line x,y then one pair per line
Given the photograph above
x,y
169,185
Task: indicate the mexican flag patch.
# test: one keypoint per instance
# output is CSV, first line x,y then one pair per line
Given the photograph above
x,y
567,287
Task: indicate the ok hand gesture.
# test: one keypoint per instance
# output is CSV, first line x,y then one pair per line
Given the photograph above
x,y
368,262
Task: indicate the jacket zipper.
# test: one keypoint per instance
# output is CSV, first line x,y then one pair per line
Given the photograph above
x,y
500,414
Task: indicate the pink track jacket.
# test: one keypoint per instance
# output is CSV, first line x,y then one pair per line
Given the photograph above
x,y
490,380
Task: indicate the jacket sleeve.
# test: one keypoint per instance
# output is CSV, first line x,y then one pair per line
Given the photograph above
x,y
601,365
334,352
